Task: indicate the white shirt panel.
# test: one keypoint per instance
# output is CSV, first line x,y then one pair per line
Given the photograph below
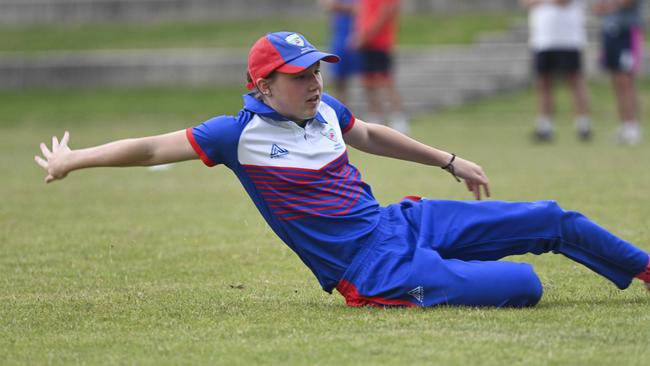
x,y
266,142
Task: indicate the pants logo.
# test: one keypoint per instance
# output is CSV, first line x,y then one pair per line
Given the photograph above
x,y
418,293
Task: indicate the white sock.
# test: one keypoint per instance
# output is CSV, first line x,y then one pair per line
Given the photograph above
x,y
583,123
630,133
544,124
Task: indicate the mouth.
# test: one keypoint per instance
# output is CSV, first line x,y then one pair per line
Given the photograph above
x,y
315,99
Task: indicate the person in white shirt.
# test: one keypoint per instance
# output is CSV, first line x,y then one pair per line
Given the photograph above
x,y
557,39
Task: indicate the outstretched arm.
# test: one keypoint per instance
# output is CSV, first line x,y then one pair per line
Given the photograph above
x,y
144,151
381,140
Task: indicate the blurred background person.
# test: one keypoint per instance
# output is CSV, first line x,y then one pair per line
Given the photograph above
x,y
622,52
342,23
557,39
376,32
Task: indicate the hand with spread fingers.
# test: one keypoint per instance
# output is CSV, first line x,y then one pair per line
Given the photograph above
x,y
54,161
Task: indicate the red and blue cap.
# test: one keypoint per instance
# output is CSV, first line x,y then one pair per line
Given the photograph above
x,y
286,52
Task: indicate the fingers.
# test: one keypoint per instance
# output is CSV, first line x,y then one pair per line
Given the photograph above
x,y
483,182
477,191
46,152
41,162
486,188
45,165
55,144
475,188
49,178
65,139
472,187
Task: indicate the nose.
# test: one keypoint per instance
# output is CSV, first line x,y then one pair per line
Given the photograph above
x,y
316,81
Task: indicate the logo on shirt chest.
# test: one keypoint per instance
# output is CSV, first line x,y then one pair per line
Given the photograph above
x,y
277,151
329,133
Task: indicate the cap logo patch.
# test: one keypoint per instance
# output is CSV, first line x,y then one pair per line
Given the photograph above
x,y
295,39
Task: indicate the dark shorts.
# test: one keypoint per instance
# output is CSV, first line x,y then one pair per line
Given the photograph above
x,y
557,62
622,49
376,61
376,67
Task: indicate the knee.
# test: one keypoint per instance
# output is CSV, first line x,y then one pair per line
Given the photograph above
x,y
565,220
552,209
558,217
527,290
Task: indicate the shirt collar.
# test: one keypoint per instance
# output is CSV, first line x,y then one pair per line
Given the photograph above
x,y
257,106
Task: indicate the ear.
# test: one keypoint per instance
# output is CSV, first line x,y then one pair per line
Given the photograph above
x,y
263,86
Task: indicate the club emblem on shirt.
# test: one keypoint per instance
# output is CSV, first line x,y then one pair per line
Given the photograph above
x,y
330,134
277,151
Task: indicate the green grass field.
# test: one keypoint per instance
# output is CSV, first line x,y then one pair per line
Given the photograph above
x,y
132,266
414,30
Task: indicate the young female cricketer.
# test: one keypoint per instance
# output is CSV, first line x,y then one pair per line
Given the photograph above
x,y
288,147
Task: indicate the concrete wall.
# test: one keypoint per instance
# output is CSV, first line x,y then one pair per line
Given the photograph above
x,y
59,11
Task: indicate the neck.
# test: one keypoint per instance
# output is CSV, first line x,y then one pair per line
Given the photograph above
x,y
300,122
303,123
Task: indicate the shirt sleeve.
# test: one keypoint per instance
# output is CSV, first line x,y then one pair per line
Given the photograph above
x,y
343,114
215,140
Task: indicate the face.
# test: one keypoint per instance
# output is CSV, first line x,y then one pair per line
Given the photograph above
x,y
295,96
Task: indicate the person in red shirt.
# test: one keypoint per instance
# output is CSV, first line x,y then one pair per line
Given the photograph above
x,y
377,23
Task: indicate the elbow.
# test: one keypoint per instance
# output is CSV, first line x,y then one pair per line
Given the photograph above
x,y
150,157
144,153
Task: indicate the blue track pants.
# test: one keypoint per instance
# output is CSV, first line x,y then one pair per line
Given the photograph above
x,y
432,252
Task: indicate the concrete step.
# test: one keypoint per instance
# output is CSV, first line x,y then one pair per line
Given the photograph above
x,y
123,68
427,78
227,66
66,11
79,11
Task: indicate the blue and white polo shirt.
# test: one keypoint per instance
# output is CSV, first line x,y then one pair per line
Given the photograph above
x,y
299,178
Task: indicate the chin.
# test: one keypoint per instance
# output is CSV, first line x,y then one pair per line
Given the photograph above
x,y
311,113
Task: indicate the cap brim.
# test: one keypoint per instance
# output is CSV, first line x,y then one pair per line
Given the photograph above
x,y
303,62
